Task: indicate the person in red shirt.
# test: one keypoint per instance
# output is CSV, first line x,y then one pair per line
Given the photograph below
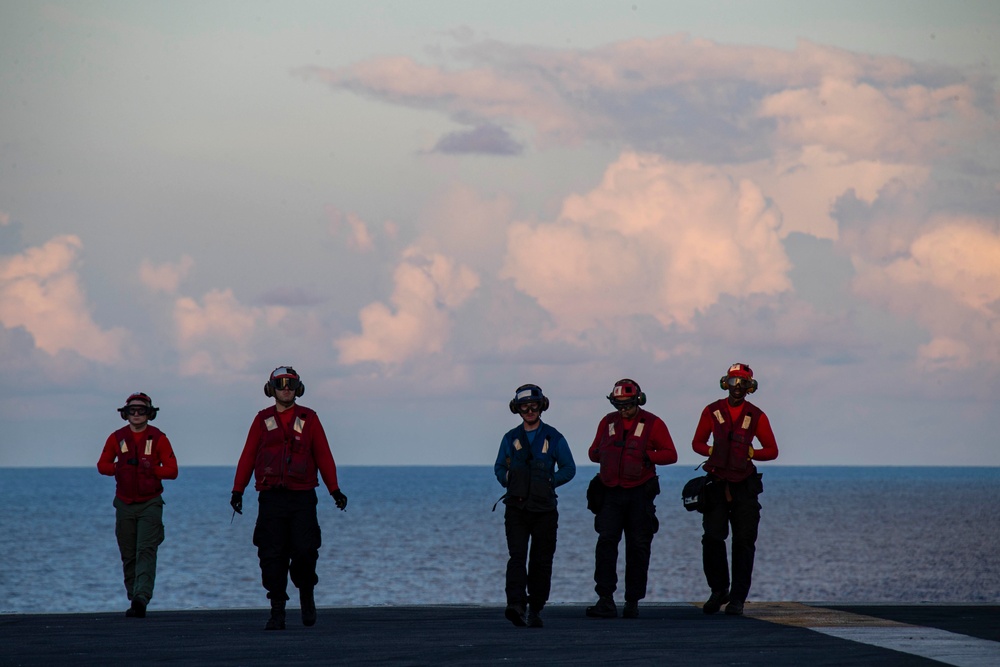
x,y
629,444
139,457
284,450
731,499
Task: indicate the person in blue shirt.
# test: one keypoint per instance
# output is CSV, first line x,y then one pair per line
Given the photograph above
x,y
533,460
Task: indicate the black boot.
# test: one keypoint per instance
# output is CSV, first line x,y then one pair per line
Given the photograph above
x,y
308,605
137,610
605,608
715,601
277,620
534,617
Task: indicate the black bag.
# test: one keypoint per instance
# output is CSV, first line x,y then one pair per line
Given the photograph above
x,y
595,494
694,493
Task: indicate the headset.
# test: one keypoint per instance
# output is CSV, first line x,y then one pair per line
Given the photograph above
x,y
625,392
528,393
724,380
300,389
150,409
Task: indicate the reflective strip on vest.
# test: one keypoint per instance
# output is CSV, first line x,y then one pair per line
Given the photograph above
x,y
123,446
149,446
271,423
611,430
298,425
638,429
517,444
718,417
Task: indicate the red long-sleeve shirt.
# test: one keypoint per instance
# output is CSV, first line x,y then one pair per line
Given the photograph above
x,y
768,446
320,448
164,464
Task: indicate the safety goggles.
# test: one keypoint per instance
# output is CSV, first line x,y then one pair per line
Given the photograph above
x,y
140,410
738,382
525,408
285,383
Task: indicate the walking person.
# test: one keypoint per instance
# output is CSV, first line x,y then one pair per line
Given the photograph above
x,y
285,448
139,457
732,497
629,444
533,460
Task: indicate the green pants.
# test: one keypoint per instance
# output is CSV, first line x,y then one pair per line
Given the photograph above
x,y
139,529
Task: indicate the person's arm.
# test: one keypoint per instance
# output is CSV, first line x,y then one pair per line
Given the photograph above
x,y
106,463
324,458
167,468
565,465
661,450
501,465
593,452
244,468
700,442
768,445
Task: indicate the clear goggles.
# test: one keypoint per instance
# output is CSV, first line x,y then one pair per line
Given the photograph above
x,y
736,382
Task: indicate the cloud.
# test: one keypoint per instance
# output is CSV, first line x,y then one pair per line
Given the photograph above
x,y
691,99
165,277
4,218
40,290
217,335
655,238
948,280
359,237
483,139
428,287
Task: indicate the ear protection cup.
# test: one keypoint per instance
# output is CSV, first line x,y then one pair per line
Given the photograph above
x,y
301,389
722,382
752,389
268,389
641,399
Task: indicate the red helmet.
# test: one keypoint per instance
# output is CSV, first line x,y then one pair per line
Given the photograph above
x,y
139,399
740,374
626,393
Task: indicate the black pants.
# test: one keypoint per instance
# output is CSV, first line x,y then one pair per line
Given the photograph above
x,y
630,512
287,537
529,575
743,513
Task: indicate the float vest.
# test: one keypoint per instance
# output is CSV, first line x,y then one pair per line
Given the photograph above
x,y
531,484
135,481
285,458
732,440
623,455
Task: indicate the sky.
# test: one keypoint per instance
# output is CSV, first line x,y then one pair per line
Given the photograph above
x,y
421,206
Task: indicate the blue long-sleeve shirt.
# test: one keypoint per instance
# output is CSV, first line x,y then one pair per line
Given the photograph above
x,y
558,449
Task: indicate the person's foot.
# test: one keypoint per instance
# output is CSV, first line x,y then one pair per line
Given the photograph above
x,y
277,620
308,604
137,610
605,608
715,601
631,609
534,617
515,614
735,608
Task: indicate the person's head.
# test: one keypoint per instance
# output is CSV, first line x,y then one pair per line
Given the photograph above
x,y
284,386
529,402
138,410
739,382
626,396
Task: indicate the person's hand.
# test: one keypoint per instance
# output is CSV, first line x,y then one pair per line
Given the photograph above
x,y
710,449
237,502
339,498
749,453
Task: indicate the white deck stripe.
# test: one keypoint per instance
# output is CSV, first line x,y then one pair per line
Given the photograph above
x,y
947,647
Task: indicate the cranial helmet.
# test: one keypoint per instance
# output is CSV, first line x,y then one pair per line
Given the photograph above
x,y
140,399
284,377
739,372
529,393
626,393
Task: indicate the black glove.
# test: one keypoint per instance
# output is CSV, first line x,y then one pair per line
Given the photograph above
x,y
340,499
237,502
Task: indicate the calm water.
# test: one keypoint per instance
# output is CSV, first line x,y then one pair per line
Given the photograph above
x,y
426,535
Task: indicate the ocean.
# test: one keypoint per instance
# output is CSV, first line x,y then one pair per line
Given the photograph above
x,y
427,536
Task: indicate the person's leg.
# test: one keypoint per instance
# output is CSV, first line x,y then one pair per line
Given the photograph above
x,y
271,537
609,524
149,536
745,517
306,539
640,526
715,526
125,535
543,548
